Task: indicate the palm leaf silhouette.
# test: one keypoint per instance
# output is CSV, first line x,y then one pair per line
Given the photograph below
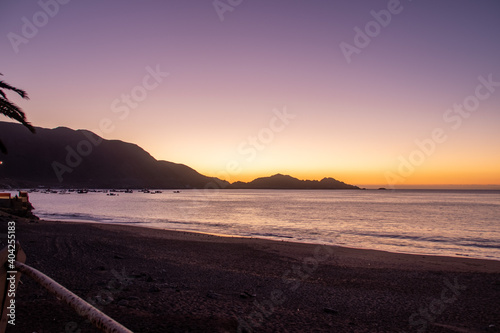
x,y
11,110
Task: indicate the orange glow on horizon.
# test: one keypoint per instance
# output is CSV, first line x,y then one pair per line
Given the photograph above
x,y
378,180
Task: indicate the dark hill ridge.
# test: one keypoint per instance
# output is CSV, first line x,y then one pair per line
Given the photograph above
x,y
63,157
280,181
66,158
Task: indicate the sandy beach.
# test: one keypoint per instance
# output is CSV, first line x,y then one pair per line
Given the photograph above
x,y
169,281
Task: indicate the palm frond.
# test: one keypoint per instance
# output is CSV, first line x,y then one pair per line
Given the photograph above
x,y
11,110
14,112
20,92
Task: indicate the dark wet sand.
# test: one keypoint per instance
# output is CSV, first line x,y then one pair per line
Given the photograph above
x,y
166,281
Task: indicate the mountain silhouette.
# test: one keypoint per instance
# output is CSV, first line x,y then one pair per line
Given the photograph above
x,y
63,157
280,181
67,158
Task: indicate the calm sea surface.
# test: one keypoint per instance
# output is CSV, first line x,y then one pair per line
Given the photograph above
x,y
453,223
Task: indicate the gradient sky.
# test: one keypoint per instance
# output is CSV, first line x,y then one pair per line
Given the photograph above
x,y
357,122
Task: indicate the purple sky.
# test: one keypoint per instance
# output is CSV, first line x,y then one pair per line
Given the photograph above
x,y
357,121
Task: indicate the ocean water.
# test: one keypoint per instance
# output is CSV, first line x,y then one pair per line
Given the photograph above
x,y
431,222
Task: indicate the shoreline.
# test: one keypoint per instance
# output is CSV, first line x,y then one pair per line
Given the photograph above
x,y
483,264
154,280
270,238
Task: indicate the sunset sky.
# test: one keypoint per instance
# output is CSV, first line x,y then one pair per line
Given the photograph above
x,y
367,92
